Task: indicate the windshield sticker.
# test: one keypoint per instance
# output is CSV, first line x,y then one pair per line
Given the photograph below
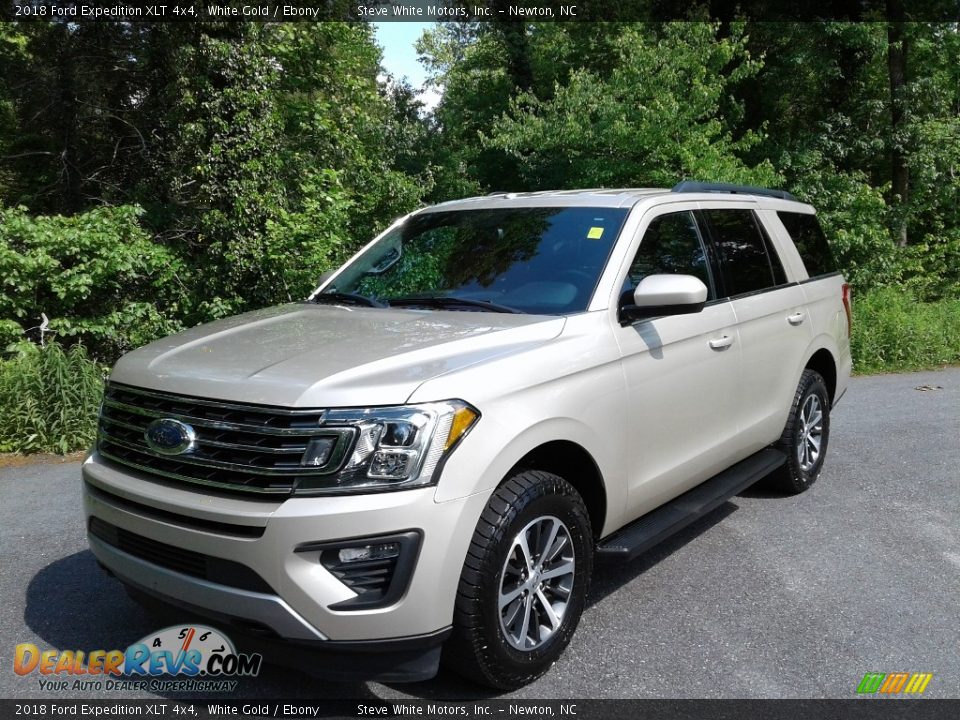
x,y
595,233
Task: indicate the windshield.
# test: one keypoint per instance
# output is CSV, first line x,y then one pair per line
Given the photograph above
x,y
541,260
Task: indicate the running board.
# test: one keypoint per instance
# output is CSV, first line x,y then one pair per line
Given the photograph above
x,y
654,527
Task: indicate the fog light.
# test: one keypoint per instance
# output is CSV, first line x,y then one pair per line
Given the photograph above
x,y
383,551
377,569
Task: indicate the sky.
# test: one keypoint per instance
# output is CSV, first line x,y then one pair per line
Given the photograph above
x,y
400,56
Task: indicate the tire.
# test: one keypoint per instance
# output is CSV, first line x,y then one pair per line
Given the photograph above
x,y
497,648
804,440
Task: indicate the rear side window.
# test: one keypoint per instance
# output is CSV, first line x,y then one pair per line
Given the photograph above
x,y
747,263
810,241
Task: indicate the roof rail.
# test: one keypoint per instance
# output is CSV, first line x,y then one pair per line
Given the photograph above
x,y
689,186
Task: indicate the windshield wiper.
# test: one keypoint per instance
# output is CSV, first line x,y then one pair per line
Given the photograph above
x,y
342,298
446,301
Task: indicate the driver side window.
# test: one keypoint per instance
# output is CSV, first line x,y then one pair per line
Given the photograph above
x,y
671,246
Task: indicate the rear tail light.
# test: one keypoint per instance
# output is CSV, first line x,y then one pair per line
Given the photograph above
x,y
846,307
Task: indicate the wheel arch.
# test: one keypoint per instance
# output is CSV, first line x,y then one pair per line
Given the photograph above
x,y
823,362
576,465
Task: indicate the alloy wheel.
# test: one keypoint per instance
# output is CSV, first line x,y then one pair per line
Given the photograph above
x,y
536,583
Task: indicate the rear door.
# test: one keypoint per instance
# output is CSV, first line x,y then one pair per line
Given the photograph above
x,y
771,318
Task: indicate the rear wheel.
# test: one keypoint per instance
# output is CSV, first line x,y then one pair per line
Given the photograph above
x,y
806,434
524,582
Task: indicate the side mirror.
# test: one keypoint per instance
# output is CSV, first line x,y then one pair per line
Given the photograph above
x,y
659,295
324,277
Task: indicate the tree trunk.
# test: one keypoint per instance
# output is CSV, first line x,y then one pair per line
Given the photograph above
x,y
69,199
897,70
514,36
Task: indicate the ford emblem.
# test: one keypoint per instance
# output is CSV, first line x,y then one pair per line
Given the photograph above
x,y
170,437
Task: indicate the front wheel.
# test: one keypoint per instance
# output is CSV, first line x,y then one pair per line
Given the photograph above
x,y
806,434
524,582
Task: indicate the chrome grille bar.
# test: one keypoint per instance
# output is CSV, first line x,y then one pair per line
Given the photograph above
x,y
217,424
201,461
246,448
286,450
267,409
187,478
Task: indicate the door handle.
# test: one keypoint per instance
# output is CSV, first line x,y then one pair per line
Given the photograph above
x,y
796,318
722,342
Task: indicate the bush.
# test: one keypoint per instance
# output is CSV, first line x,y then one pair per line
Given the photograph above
x,y
49,399
98,276
893,332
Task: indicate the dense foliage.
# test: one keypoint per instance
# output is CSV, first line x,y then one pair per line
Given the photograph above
x,y
894,332
252,156
49,398
97,275
157,176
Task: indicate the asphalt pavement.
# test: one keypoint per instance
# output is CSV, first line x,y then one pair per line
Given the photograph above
x,y
766,597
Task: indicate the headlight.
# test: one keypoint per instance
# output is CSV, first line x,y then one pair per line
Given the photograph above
x,y
394,447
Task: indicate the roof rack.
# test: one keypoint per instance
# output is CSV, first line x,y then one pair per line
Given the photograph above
x,y
689,186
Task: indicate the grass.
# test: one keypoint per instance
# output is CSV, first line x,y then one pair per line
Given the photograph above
x,y
49,399
893,332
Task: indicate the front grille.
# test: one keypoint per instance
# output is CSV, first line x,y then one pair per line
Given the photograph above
x,y
187,562
245,448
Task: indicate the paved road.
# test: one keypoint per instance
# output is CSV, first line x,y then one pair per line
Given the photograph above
x,y
766,597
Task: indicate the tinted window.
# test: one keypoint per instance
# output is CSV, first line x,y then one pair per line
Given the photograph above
x,y
779,276
535,260
671,245
742,250
810,241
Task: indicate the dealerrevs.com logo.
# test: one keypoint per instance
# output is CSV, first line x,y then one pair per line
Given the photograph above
x,y
184,658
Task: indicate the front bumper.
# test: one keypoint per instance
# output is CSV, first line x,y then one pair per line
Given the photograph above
x,y
295,602
408,659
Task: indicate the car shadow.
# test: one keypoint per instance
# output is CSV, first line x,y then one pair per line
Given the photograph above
x,y
447,685
71,604
609,577
764,489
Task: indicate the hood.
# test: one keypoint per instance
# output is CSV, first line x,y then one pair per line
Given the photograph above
x,y
306,355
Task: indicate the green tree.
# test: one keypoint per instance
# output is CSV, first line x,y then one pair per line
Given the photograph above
x,y
262,154
338,116
843,133
656,118
217,160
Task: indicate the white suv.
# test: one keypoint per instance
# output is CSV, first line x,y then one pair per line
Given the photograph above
x,y
432,450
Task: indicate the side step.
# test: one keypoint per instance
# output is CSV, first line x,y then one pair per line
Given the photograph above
x,y
654,527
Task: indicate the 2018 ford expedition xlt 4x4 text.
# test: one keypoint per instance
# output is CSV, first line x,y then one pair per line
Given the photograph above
x,y
430,453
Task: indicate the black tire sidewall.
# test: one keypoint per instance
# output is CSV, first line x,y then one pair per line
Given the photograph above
x,y
813,385
568,508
